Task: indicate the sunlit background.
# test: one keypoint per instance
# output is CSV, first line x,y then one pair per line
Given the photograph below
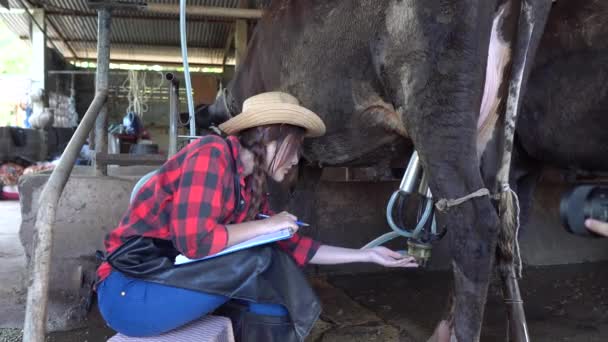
x,y
15,62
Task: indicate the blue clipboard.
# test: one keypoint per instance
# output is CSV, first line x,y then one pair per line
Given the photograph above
x,y
279,235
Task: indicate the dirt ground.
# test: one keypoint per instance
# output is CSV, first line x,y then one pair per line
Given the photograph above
x,y
563,303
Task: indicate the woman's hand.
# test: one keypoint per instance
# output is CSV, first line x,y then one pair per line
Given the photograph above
x,y
597,227
280,221
388,258
332,255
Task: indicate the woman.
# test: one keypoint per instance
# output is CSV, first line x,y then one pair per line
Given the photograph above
x,y
207,198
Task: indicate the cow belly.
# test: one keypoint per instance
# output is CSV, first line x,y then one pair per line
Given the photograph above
x,y
564,118
582,145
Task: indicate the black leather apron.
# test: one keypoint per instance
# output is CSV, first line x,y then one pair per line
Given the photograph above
x,y
262,274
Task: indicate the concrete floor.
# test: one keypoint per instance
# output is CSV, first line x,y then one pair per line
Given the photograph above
x,y
12,272
563,303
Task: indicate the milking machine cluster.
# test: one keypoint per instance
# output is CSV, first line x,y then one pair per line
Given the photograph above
x,y
413,187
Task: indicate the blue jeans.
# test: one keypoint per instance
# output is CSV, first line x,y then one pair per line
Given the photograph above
x,y
139,308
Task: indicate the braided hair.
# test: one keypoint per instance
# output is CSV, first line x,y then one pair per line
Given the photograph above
x,y
288,140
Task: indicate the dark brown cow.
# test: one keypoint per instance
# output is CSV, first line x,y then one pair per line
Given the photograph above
x,y
432,71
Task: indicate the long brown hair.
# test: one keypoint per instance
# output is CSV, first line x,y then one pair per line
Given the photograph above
x,y
289,142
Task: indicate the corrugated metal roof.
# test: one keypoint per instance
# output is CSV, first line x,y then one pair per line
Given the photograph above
x,y
77,24
17,24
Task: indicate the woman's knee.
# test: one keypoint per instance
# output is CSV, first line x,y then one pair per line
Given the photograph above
x,y
121,299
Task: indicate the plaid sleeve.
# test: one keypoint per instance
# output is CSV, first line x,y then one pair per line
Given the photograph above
x,y
198,202
301,248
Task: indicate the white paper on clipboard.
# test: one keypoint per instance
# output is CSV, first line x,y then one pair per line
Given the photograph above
x,y
279,235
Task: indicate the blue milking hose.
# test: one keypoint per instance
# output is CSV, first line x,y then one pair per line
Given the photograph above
x,y
425,216
397,231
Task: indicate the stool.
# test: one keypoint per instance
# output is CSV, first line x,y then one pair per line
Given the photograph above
x,y
206,329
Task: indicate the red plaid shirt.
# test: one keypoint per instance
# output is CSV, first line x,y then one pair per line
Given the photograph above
x,y
190,200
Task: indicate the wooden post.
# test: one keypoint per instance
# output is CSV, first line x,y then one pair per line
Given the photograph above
x,y
104,24
34,329
240,41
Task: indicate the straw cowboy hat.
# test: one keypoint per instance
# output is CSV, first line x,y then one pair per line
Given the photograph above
x,y
274,108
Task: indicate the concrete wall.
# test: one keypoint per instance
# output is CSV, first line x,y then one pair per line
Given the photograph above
x,y
89,208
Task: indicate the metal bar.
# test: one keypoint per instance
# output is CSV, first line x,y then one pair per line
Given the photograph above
x,y
173,112
37,295
184,51
222,12
130,159
104,24
130,15
227,47
410,177
136,53
188,137
161,63
83,72
517,328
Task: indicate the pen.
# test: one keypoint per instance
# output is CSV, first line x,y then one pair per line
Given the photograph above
x,y
301,224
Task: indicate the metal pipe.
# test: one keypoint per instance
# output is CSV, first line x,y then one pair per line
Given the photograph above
x,y
83,72
410,177
221,12
104,24
184,46
423,187
164,64
34,329
132,15
517,328
173,112
158,54
227,47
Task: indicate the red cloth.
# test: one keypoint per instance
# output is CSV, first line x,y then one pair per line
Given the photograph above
x,y
9,192
10,173
190,200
